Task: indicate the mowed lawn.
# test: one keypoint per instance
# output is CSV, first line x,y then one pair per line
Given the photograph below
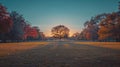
x,y
10,48
112,45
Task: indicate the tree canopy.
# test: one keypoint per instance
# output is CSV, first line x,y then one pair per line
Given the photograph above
x,y
5,20
60,31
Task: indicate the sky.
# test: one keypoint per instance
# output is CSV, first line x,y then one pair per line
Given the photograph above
x,y
49,13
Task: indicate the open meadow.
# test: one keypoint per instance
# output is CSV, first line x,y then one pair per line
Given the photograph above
x,y
60,54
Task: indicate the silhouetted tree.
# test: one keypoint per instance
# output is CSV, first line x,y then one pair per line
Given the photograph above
x,y
60,31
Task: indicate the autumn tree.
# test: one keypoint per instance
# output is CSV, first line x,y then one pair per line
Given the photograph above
x,y
82,35
109,27
19,23
14,27
102,27
33,33
5,22
40,35
92,27
91,32
27,30
60,31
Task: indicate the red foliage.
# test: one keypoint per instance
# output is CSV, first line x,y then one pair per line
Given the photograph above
x,y
30,32
5,20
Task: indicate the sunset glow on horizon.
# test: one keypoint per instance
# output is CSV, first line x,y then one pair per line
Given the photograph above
x,y
48,33
48,13
60,33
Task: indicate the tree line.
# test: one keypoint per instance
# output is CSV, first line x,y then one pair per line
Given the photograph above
x,y
13,27
103,27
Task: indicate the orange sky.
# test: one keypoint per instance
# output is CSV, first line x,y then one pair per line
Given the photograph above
x,y
48,33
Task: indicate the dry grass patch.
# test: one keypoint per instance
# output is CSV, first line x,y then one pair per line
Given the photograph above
x,y
112,45
9,48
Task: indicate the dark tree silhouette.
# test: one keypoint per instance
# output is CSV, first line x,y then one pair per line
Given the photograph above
x,y
60,31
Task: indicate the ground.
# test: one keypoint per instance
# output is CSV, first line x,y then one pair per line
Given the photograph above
x,y
60,54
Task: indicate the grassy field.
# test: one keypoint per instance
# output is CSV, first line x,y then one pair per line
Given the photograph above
x,y
112,45
60,54
9,48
